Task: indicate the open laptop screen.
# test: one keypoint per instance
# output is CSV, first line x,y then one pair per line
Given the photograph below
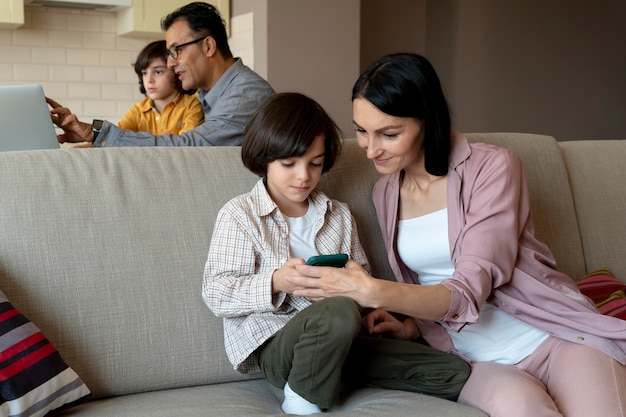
x,y
25,122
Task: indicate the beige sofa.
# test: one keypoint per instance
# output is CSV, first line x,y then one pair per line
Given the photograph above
x,y
104,250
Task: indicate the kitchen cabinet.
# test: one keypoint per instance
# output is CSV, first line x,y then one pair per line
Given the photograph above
x,y
143,18
11,14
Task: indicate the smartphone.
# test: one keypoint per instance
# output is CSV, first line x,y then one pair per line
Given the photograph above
x,y
337,260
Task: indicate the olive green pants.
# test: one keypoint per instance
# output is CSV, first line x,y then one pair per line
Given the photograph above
x,y
321,348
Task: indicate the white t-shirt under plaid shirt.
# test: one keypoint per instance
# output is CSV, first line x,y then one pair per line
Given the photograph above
x,y
250,241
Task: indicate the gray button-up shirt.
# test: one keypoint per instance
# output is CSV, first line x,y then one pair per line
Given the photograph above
x,y
227,108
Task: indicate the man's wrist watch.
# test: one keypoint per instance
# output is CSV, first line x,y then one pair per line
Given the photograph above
x,y
96,127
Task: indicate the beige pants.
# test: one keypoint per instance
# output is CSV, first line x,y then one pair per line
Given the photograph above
x,y
559,379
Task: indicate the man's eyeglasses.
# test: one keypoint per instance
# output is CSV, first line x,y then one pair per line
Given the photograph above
x,y
173,51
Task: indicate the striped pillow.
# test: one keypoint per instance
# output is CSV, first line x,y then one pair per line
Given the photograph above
x,y
34,379
607,292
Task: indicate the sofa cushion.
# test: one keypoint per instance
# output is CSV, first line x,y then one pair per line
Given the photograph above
x,y
34,379
260,398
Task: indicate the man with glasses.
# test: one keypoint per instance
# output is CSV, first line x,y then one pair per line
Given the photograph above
x,y
198,52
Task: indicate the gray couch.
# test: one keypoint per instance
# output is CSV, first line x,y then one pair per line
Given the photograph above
x,y
104,250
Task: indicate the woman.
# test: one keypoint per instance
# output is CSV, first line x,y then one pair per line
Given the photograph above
x,y
472,278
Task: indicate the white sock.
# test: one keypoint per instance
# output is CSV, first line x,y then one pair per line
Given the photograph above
x,y
295,404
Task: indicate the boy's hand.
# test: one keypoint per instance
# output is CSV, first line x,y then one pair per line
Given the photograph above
x,y
279,284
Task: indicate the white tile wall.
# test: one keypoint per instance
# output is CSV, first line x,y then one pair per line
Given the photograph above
x,y
241,39
82,63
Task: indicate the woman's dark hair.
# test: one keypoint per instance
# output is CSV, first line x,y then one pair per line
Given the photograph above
x,y
204,19
406,85
155,50
285,126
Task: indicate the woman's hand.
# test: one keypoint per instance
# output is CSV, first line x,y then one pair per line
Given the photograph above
x,y
426,302
319,282
381,322
74,130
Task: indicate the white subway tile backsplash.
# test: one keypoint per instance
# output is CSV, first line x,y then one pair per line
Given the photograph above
x,y
117,58
100,109
242,23
84,91
84,22
65,39
55,90
109,23
99,74
99,40
6,72
28,72
124,106
44,18
15,54
82,63
49,56
30,37
126,75
5,37
75,105
121,92
83,57
66,73
134,44
242,38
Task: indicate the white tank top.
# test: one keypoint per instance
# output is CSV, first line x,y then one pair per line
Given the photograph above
x,y
424,248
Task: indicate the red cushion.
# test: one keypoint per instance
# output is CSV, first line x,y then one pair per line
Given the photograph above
x,y
606,291
615,305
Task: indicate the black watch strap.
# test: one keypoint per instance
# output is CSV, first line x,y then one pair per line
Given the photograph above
x,y
96,127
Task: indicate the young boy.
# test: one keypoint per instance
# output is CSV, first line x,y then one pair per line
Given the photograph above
x,y
167,108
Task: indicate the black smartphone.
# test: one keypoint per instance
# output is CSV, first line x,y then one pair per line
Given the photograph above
x,y
337,260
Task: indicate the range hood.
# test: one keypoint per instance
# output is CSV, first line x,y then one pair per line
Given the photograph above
x,y
101,5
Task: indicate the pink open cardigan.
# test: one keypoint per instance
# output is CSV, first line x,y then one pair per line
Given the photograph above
x,y
496,257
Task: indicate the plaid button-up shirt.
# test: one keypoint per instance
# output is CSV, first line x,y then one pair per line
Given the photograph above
x,y
250,241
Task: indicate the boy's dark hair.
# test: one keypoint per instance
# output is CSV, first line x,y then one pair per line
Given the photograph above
x,y
406,85
203,19
285,126
154,50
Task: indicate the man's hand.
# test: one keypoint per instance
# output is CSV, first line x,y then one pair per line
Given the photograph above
x,y
74,130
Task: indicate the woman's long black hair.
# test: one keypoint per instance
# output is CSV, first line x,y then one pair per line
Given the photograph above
x,y
406,85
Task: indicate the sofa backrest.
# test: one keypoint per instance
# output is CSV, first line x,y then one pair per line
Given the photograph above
x,y
597,174
104,249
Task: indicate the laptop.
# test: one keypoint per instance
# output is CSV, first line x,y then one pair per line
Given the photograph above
x,y
25,122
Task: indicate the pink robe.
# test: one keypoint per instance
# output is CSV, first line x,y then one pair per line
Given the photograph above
x,y
495,255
